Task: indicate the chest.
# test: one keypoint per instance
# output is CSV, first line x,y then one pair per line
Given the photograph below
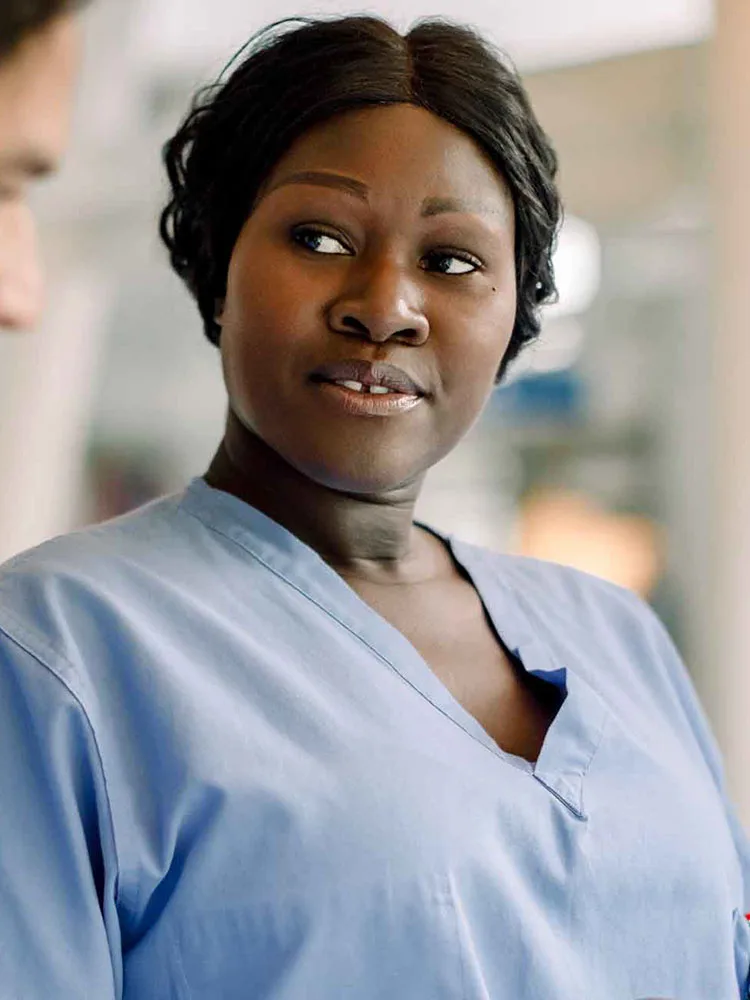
x,y
354,824
308,825
448,626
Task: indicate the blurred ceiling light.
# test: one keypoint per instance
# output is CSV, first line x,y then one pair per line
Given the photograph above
x,y
578,274
578,268
537,33
557,349
570,528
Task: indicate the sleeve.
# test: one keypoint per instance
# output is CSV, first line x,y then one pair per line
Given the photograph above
x,y
59,933
694,718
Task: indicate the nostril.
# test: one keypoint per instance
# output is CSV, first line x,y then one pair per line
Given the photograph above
x,y
376,328
352,323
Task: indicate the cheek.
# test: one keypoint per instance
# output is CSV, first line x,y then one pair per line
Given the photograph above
x,y
268,294
270,316
496,327
477,344
265,314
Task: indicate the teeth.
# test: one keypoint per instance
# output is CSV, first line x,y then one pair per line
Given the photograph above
x,y
375,390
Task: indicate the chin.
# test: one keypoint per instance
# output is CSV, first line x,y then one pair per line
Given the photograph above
x,y
361,478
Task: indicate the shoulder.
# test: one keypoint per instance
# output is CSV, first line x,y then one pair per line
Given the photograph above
x,y
128,538
47,591
548,589
606,631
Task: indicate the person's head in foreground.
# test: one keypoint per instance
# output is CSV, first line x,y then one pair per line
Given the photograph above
x,y
39,55
366,221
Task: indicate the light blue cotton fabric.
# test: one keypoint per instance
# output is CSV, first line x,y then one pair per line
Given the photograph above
x,y
224,777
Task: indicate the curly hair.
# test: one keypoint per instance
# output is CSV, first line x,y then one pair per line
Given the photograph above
x,y
299,72
20,18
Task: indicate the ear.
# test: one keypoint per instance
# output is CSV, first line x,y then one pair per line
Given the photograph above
x,y
219,306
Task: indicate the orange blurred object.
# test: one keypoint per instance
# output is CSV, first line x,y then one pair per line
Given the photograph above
x,y
570,528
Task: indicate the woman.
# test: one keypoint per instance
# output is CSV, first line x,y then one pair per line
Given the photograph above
x,y
270,738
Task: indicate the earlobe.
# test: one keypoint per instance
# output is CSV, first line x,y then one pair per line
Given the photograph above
x,y
219,305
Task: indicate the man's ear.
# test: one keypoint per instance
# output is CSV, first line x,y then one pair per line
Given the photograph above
x,y
219,306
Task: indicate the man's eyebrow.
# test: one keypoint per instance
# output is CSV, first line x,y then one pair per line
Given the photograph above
x,y
431,206
31,165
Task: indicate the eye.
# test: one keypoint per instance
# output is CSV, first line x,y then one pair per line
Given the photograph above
x,y
319,241
449,262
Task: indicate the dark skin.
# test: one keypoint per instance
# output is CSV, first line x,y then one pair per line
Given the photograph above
x,y
383,235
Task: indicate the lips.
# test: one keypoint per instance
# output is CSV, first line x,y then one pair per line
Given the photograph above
x,y
368,374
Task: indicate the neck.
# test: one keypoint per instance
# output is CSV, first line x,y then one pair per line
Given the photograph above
x,y
372,537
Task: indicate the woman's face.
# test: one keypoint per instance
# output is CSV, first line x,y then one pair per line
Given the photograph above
x,y
384,237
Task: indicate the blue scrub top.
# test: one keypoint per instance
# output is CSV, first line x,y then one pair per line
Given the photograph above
x,y
224,777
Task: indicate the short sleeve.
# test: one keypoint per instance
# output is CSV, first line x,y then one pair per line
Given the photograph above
x,y
58,925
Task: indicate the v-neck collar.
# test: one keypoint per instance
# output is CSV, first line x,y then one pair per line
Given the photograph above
x,y
576,731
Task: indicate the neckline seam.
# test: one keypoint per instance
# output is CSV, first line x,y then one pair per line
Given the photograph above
x,y
244,535
496,751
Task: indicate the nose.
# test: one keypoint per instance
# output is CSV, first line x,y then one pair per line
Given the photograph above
x,y
381,302
20,270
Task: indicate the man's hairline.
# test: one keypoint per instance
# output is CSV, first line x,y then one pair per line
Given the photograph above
x,y
68,8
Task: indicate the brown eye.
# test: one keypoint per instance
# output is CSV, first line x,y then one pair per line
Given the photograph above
x,y
319,241
445,262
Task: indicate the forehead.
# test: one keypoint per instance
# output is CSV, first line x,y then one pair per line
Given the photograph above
x,y
403,150
36,89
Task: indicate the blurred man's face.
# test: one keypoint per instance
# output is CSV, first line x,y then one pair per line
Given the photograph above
x,y
36,90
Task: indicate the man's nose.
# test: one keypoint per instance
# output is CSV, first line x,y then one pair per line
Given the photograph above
x,y
21,288
383,301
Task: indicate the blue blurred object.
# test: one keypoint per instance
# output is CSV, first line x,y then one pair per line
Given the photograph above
x,y
558,396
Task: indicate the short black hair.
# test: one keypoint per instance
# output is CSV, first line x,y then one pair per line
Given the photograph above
x,y
299,72
21,18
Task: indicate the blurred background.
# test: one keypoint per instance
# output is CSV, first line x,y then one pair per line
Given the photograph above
x,y
618,442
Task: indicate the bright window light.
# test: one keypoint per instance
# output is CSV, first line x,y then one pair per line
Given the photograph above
x,y
578,268
578,273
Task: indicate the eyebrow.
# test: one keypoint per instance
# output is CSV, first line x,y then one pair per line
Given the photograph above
x,y
29,164
431,206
